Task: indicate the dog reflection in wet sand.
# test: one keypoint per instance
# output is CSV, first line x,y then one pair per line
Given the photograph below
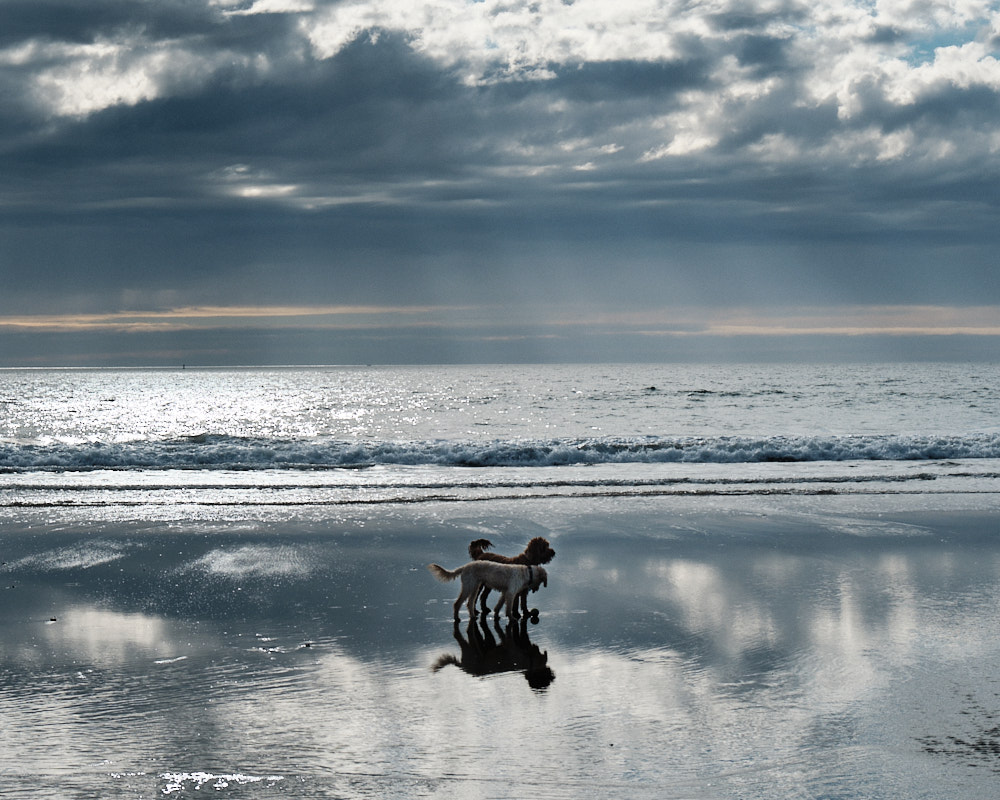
x,y
510,580
510,650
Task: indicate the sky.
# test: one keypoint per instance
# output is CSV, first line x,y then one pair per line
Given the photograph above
x,y
215,182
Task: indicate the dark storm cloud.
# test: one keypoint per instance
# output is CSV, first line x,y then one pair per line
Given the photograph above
x,y
616,80
748,17
72,21
360,111
376,110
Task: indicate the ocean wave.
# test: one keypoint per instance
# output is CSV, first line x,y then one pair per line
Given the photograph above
x,y
208,451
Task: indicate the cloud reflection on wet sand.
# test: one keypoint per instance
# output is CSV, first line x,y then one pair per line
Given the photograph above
x,y
677,666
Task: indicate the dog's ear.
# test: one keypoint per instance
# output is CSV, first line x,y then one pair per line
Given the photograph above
x,y
478,546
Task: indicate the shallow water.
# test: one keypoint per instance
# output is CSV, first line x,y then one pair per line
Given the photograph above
x,y
703,655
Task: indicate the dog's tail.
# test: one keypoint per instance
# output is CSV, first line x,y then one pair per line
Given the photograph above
x,y
443,574
478,546
444,661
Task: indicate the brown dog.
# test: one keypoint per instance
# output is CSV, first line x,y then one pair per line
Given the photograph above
x,y
509,579
538,551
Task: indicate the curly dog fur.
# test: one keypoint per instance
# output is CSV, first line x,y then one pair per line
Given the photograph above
x,y
508,579
538,551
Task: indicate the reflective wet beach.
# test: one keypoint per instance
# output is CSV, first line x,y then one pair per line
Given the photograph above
x,y
720,655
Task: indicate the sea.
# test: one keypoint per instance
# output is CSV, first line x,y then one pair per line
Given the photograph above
x,y
156,443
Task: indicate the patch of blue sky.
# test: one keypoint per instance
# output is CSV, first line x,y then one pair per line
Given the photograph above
x,y
922,49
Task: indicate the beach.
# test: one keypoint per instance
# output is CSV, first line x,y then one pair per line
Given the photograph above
x,y
765,647
769,582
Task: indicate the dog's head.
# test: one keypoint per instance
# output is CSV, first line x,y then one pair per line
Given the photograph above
x,y
478,546
539,578
538,551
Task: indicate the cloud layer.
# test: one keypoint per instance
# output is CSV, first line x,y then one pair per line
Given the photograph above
x,y
554,157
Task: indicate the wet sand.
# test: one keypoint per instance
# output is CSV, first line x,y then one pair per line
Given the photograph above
x,y
679,653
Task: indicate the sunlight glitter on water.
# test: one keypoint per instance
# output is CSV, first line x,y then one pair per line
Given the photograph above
x,y
192,781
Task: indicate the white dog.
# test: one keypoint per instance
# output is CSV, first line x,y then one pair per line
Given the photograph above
x,y
511,580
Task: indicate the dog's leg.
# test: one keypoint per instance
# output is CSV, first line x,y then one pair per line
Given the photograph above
x,y
472,601
483,595
515,602
464,594
509,600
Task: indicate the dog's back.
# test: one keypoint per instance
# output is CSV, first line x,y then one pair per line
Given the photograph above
x,y
492,574
538,551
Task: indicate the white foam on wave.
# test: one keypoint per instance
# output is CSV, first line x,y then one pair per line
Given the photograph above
x,y
236,453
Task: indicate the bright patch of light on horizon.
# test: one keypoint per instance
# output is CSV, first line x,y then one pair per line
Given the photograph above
x,y
201,317
908,320
857,320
